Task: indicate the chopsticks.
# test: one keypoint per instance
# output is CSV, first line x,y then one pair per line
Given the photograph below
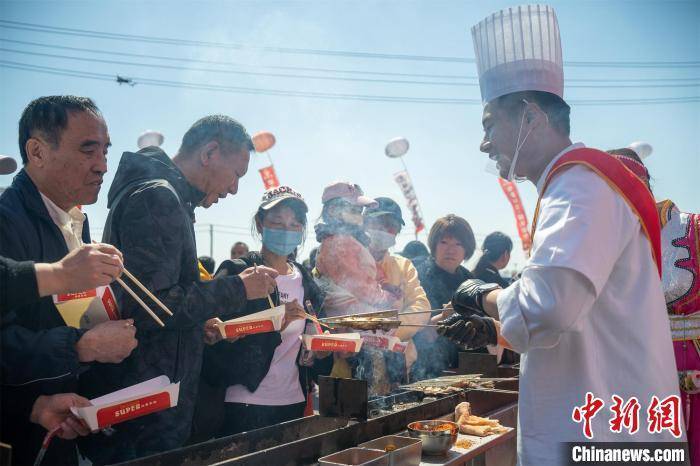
x,y
418,325
148,293
313,318
140,301
269,298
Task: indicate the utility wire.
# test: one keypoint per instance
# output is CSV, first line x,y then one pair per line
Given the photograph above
x,y
237,89
33,27
331,78
315,69
318,95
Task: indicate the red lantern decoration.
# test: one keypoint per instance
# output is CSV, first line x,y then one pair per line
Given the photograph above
x,y
263,141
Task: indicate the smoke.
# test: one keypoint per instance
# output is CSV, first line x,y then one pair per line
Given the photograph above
x,y
433,357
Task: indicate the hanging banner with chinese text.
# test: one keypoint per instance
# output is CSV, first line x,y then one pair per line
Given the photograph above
x,y
269,177
511,192
404,182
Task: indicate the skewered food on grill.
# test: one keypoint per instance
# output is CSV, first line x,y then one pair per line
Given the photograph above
x,y
449,385
365,323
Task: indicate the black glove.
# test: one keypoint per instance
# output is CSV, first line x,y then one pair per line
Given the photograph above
x,y
469,332
468,299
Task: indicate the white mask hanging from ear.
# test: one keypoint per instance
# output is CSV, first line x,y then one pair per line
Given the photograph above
x,y
518,145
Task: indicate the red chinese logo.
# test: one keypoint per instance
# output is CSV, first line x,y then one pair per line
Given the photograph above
x,y
587,412
661,415
626,415
665,415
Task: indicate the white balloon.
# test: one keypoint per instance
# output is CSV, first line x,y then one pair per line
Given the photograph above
x,y
7,165
643,149
396,147
150,138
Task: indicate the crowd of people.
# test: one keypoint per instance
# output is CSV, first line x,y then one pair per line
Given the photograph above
x,y
226,386
604,255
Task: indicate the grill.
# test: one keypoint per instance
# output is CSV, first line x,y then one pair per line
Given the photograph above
x,y
303,441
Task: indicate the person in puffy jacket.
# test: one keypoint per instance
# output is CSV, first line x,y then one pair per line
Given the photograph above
x,y
266,377
346,269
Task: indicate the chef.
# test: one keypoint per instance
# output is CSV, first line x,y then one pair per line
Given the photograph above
x,y
587,315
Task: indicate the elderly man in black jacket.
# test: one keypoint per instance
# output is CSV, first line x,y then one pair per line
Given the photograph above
x,y
63,141
151,220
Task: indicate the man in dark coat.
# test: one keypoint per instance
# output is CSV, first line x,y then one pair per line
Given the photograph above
x,y
151,220
63,141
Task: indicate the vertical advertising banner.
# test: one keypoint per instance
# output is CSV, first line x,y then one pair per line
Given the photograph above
x,y
269,177
511,192
404,182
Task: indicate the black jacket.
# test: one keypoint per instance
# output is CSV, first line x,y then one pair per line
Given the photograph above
x,y
489,274
151,220
439,285
258,349
247,361
18,285
38,349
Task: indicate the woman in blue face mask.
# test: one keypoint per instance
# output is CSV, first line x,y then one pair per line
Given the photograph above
x,y
268,376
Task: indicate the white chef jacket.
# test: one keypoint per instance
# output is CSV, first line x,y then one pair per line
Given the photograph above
x,y
587,315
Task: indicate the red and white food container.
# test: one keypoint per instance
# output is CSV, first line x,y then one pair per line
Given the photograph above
x,y
260,322
87,308
378,340
147,397
399,346
338,342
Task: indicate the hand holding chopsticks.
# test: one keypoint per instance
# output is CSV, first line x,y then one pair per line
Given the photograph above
x,y
259,282
269,298
137,298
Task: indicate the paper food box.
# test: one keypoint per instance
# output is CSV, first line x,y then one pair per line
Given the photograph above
x,y
385,342
340,342
260,322
128,403
380,341
399,346
87,308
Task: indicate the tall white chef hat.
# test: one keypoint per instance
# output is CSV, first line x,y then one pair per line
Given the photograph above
x,y
519,49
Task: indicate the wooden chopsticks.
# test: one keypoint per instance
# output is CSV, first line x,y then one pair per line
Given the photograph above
x,y
148,293
139,300
269,298
310,307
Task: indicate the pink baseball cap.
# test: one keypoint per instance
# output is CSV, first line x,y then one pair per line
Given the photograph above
x,y
348,191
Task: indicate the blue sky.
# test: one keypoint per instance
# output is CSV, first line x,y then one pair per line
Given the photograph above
x,y
323,140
